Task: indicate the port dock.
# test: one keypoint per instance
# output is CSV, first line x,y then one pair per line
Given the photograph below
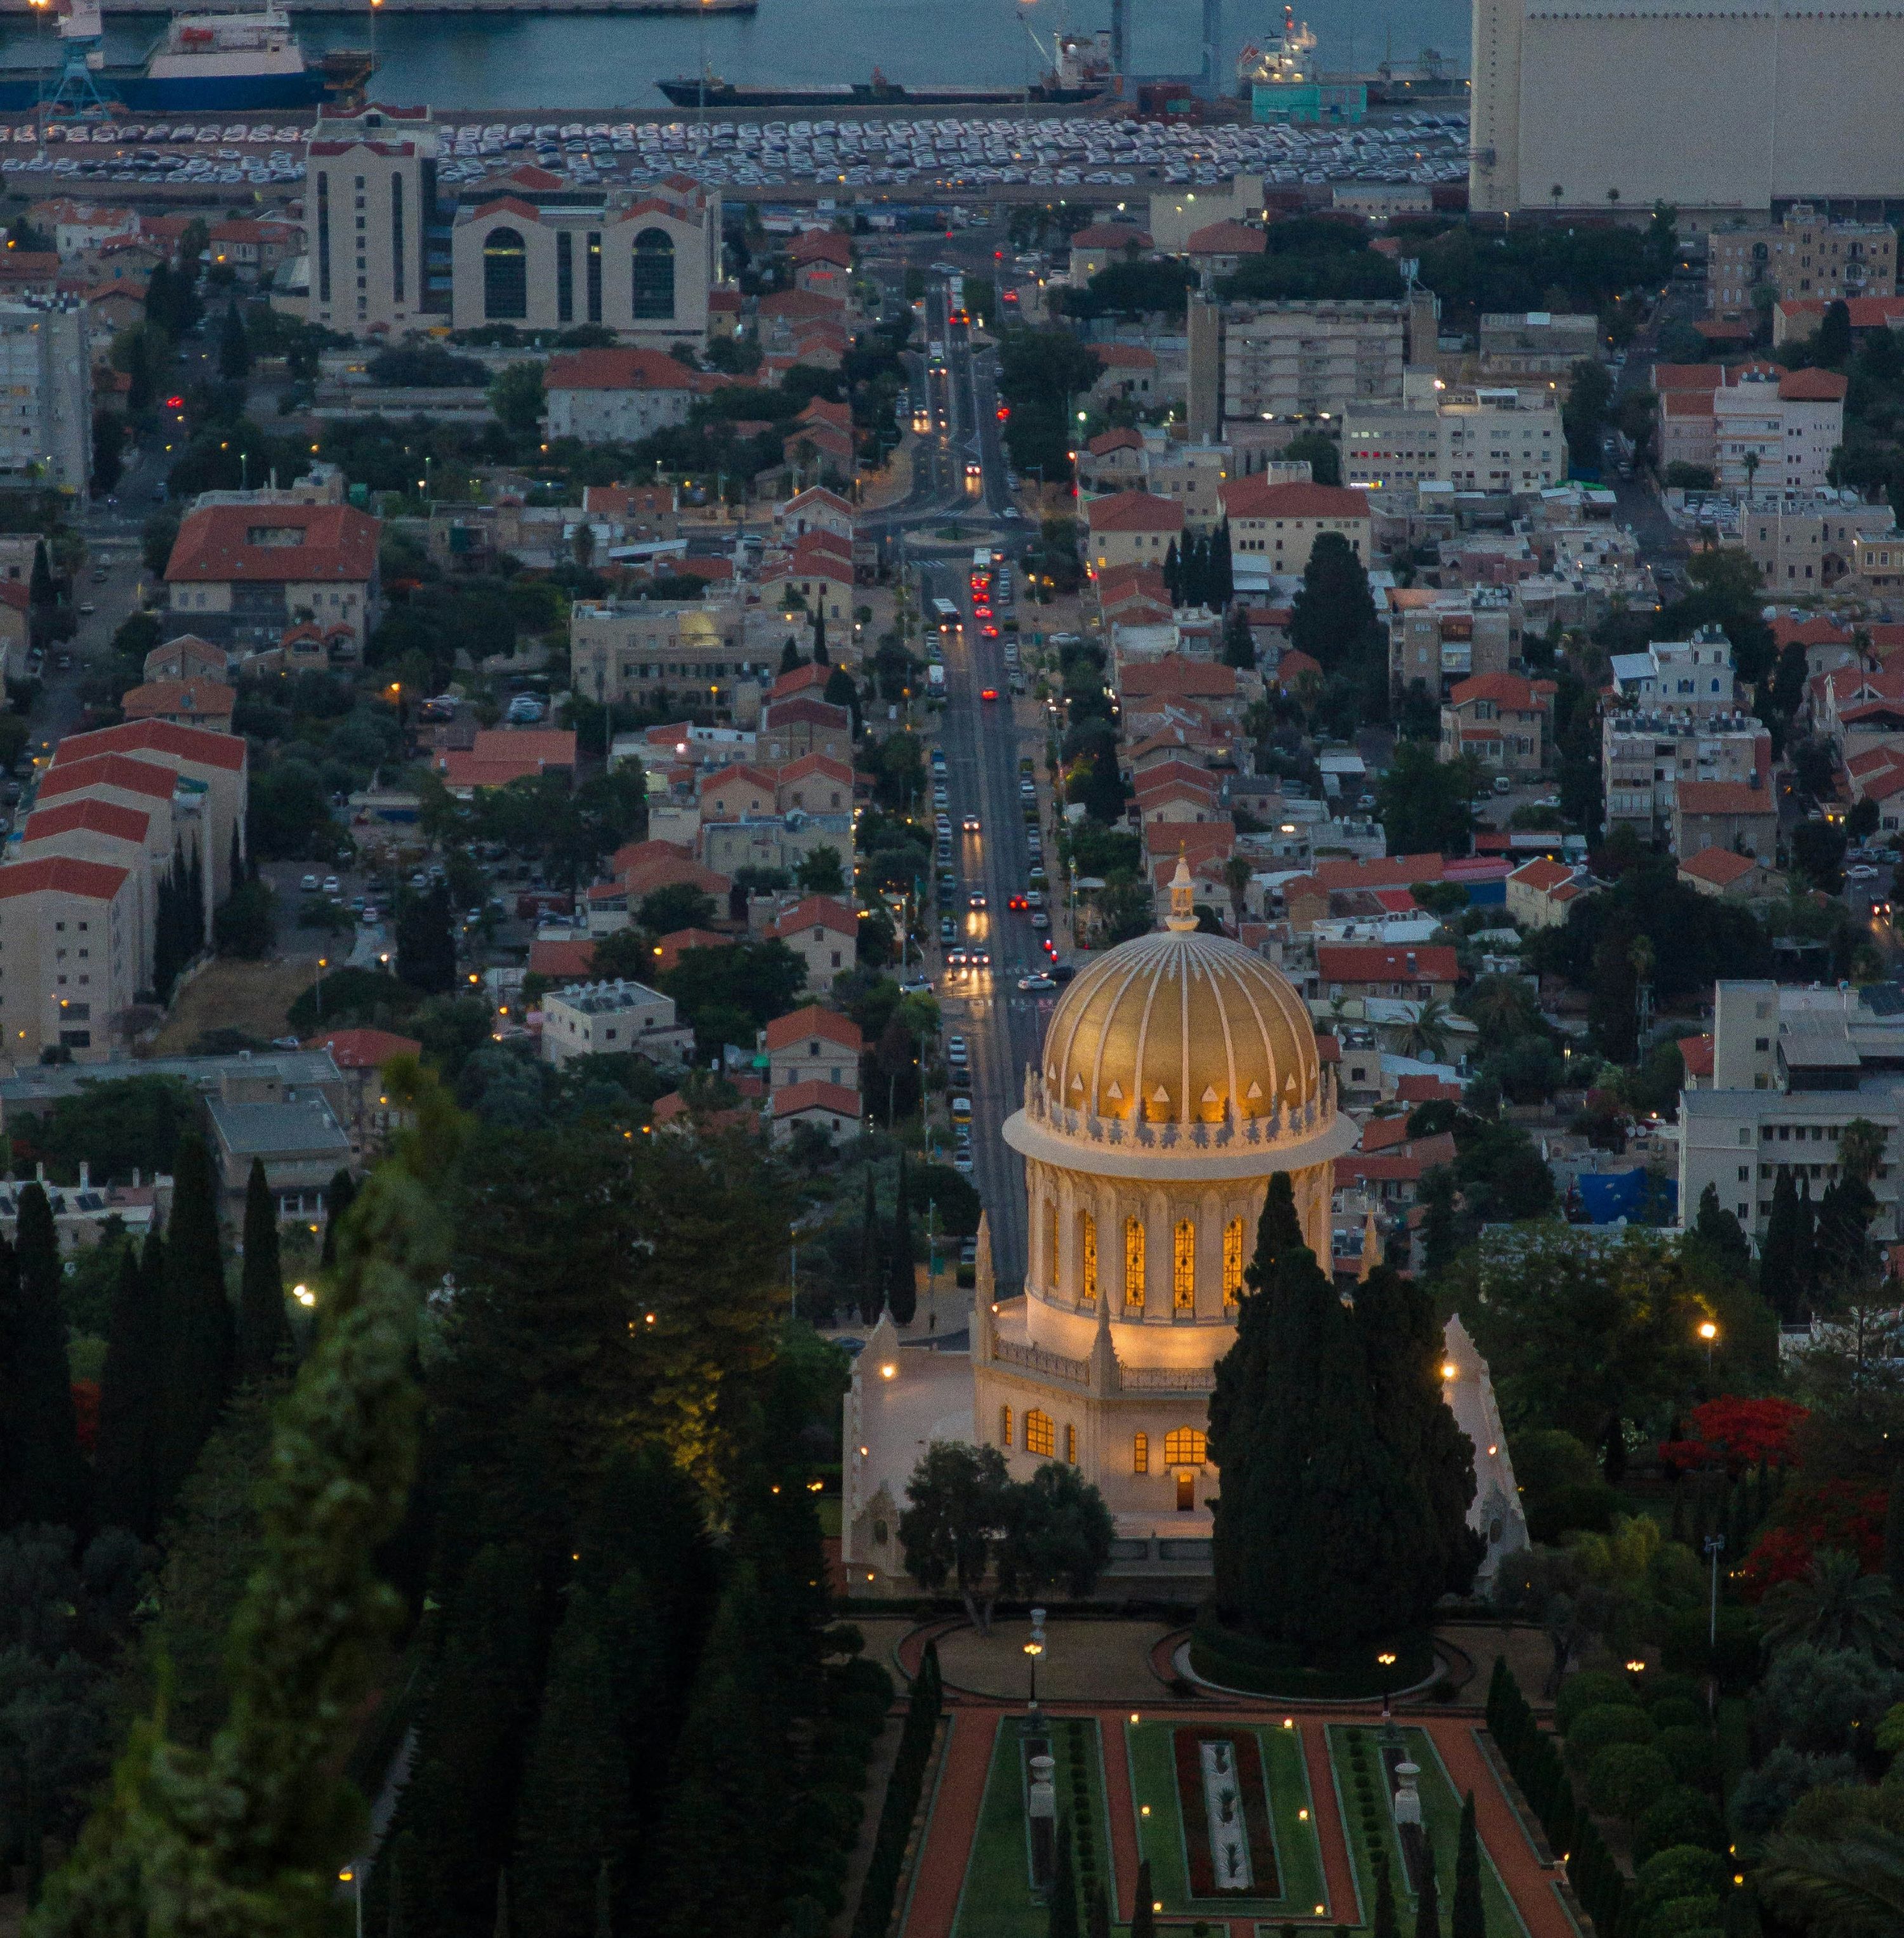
x,y
390,8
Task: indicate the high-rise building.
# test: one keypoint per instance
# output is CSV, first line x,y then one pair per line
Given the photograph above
x,y
46,376
370,180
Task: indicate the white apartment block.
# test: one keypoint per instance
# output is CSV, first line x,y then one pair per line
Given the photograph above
x,y
1475,438
1777,430
1791,1068
46,378
70,951
1645,755
370,188
1301,359
1693,676
612,1019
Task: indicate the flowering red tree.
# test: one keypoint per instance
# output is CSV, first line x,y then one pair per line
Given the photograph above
x,y
1736,1433
1839,1514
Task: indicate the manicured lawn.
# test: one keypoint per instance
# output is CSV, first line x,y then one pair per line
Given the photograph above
x,y
1370,1827
1160,1835
997,1900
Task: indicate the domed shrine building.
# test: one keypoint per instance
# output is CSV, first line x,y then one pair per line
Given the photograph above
x,y
1180,1071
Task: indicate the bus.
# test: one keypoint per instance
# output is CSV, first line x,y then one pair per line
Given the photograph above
x,y
947,614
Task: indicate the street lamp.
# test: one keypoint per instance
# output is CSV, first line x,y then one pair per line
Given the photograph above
x,y
1708,1332
1715,1546
352,1874
1034,1649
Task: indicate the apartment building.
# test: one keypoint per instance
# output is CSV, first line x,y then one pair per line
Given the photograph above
x,y
1806,255
1274,527
1647,754
1808,542
46,374
1783,428
1500,719
612,1020
1132,528
1790,1068
543,254
71,946
639,648
371,182
604,396
1473,438
1693,676
1442,637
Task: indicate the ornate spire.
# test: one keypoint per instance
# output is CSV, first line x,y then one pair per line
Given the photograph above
x,y
1183,913
1371,1244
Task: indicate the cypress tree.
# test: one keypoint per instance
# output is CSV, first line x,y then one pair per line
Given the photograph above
x,y
1097,1914
1061,1906
501,1928
1468,1919
43,1476
1427,1902
196,1330
869,1287
790,659
820,634
902,1291
1223,583
1806,1262
573,1816
129,1396
262,1333
338,1199
1143,1920
1402,1343
1172,578
604,1901
1385,1925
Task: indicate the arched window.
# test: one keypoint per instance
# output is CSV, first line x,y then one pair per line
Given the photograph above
x,y
1040,1438
505,276
1183,1266
1140,1453
1185,1447
1133,1262
1087,1253
1005,1427
1050,1235
1233,1260
654,276
1070,1444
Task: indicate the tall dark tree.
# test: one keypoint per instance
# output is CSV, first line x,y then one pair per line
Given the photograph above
x,y
129,1396
263,1335
1311,1548
1468,1916
1428,1899
1402,1343
870,1289
1717,1240
1173,574
338,1199
234,347
820,634
1223,582
43,1476
902,1289
790,659
1143,1918
1783,1266
196,1330
1385,1925
573,1816
1333,618
426,944
1061,1904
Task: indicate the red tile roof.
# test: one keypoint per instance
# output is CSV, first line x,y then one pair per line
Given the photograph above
x,y
817,911
1418,1087
1122,438
95,817
616,370
1724,797
198,746
1814,387
812,1020
820,245
1256,497
108,770
815,1095
60,874
1505,689
1200,679
1134,511
1695,1053
1227,238
1541,874
210,697
669,948
1110,236
1393,871
1374,962
364,1049
560,961
1125,356
1718,866
222,543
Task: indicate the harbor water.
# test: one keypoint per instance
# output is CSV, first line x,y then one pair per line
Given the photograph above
x,y
552,61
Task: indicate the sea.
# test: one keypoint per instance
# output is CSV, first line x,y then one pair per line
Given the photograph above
x,y
581,61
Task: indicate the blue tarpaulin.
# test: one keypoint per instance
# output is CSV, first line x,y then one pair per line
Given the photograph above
x,y
1635,1195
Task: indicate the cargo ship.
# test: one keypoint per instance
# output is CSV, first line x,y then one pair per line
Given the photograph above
x,y
203,63
1083,73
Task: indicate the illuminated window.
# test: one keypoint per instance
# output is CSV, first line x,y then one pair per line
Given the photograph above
x,y
1071,1444
505,275
1133,1262
1233,1260
1040,1437
1087,1247
1005,1427
654,276
1140,1453
1051,1242
1183,1266
1184,1447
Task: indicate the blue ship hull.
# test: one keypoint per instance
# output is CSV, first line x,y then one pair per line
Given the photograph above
x,y
214,94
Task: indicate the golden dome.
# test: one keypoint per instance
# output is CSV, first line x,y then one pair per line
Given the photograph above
x,y
1188,1025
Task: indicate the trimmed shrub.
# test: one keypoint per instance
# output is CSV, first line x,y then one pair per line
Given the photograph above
x,y
1624,1778
1735,1661
1682,1871
1682,1816
1606,1723
1590,1508
1689,1751
1679,1916
1676,1712
1589,1689
1659,1685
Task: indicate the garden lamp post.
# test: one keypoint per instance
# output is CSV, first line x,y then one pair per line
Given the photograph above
x,y
1709,1332
1034,1649
1715,1546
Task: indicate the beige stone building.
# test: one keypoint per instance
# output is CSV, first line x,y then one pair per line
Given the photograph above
x,y
46,370
1802,545
1132,528
70,951
639,649
1474,438
370,180
640,262
1276,526
1806,255
1442,637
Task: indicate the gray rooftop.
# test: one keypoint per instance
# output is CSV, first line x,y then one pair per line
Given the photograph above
x,y
305,1127
37,1085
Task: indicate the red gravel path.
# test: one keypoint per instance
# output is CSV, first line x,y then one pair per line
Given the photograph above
x,y
941,1867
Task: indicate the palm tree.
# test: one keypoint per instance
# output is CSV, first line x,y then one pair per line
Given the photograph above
x,y
1834,1606
1751,470
1427,1033
1236,879
1503,1007
1860,1149
1612,198
1852,1887
1555,193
